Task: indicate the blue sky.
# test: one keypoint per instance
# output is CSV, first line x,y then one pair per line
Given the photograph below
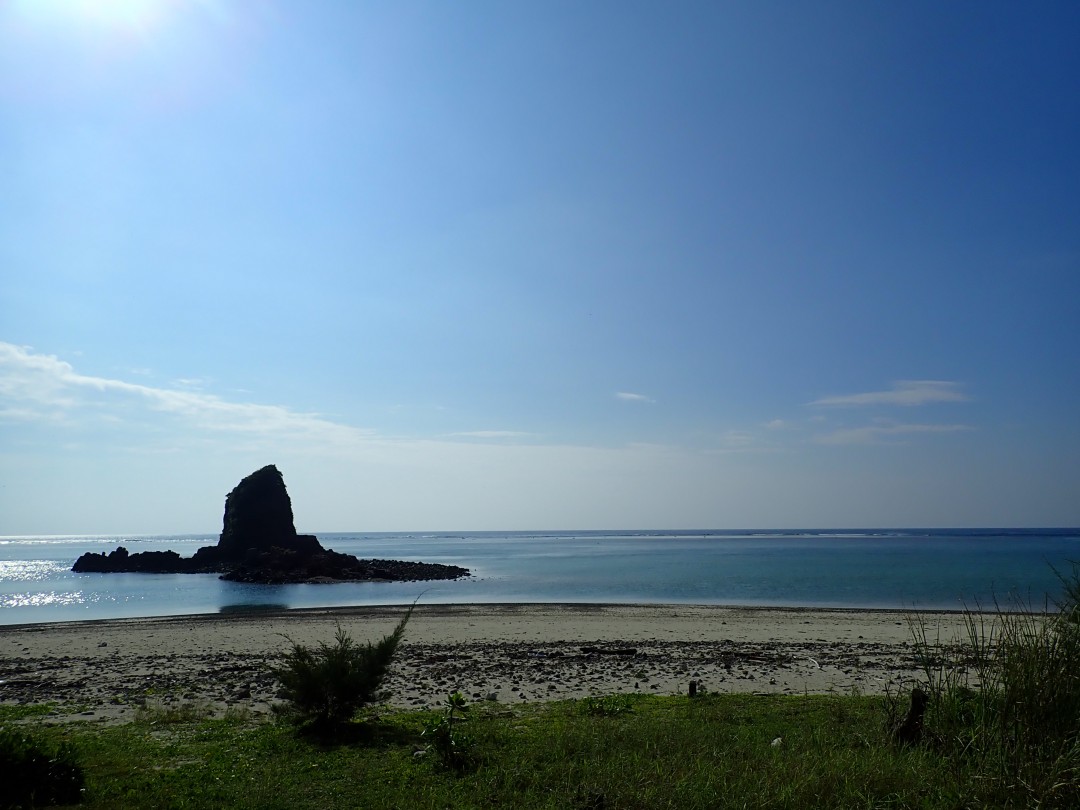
x,y
549,265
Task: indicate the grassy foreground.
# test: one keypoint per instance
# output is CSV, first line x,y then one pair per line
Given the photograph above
x,y
620,752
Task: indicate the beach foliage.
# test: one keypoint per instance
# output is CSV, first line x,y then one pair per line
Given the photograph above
x,y
10,712
37,773
1006,697
169,714
453,747
323,686
608,705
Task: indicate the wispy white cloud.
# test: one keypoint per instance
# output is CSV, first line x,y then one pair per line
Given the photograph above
x,y
882,431
194,383
492,434
903,392
626,396
39,387
778,424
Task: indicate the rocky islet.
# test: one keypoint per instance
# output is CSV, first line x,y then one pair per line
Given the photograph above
x,y
259,544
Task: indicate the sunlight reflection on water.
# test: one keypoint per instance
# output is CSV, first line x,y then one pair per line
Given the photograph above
x,y
29,570
41,599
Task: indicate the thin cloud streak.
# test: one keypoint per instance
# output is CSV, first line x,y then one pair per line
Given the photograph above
x,y
627,396
492,434
877,434
906,393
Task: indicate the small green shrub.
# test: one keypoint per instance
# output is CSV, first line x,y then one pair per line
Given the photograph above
x,y
162,714
35,774
607,706
325,685
455,749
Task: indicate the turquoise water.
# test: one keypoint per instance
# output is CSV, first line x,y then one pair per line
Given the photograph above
x,y
924,568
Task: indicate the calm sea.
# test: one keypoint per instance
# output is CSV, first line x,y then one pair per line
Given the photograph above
x,y
901,568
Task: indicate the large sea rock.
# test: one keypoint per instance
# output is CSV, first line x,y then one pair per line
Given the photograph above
x,y
258,515
259,543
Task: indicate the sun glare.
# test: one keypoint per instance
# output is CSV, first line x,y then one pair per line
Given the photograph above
x,y
128,16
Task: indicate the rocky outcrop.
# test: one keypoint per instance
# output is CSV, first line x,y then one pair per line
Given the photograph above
x,y
278,566
259,543
143,562
258,515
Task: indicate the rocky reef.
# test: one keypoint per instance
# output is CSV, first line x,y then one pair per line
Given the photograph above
x,y
259,543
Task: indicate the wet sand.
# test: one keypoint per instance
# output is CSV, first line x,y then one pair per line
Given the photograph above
x,y
107,670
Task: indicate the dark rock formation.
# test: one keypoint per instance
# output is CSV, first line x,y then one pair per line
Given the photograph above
x,y
259,543
278,566
143,562
258,514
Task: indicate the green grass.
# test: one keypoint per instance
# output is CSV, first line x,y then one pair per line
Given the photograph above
x,y
9,713
654,752
1005,700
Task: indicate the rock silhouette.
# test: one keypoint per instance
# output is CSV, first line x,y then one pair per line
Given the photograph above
x,y
258,515
259,543
910,729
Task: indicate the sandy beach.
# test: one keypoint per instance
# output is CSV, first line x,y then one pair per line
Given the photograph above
x,y
106,670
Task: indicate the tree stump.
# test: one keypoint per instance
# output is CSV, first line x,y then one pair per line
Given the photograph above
x,y
909,732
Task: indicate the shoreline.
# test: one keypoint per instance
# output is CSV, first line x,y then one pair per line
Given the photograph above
x,y
359,610
106,669
276,612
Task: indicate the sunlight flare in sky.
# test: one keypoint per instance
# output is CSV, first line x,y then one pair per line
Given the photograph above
x,y
122,16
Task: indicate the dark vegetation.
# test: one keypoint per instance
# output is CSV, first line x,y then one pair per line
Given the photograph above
x,y
324,686
35,772
995,723
455,749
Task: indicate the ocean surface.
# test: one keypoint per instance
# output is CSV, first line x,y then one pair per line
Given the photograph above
x,y
895,568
